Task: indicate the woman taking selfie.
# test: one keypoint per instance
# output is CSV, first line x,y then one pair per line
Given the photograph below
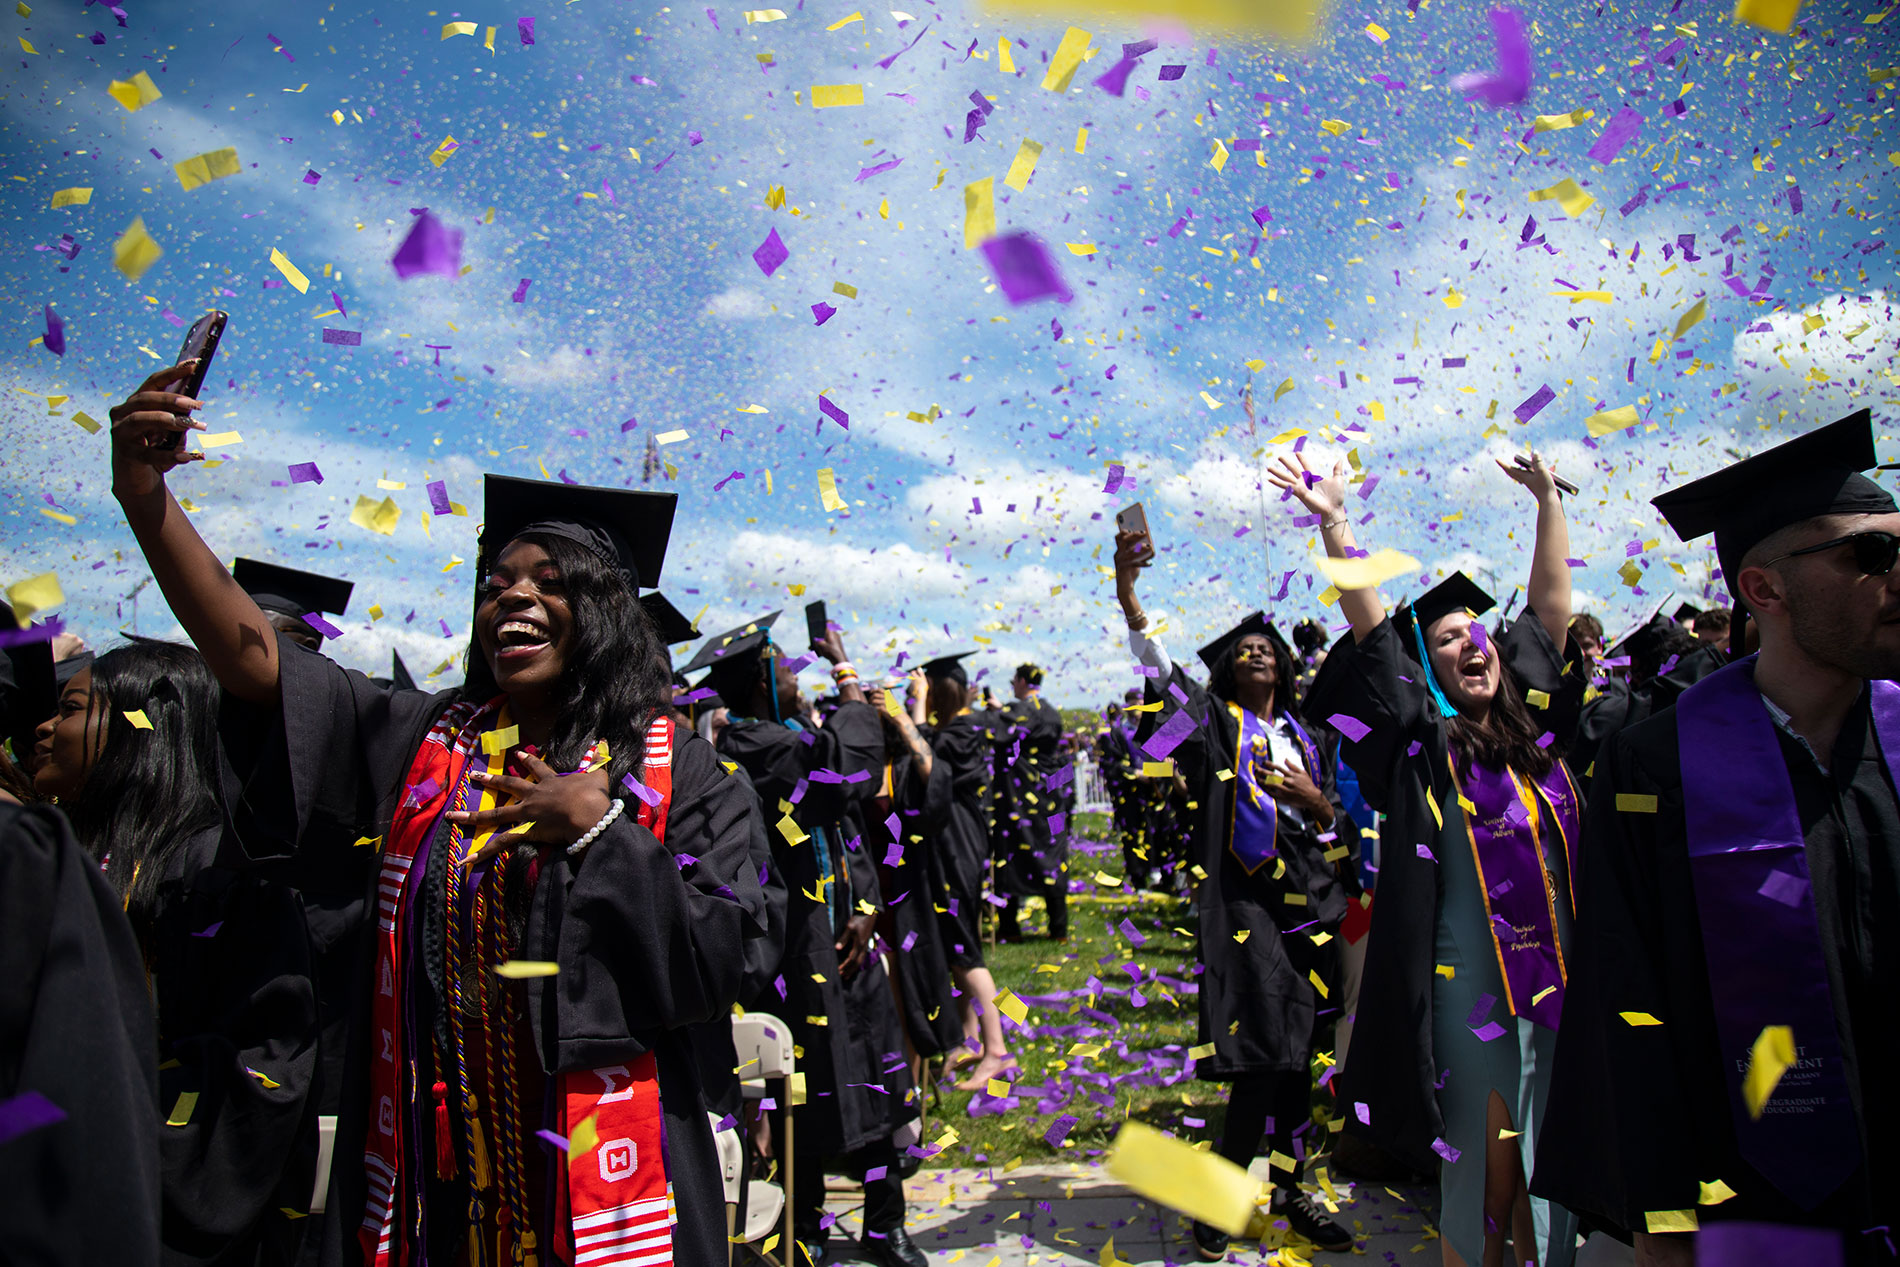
x,y
1456,734
564,882
1271,899
131,757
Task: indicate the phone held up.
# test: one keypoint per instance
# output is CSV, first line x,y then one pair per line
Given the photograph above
x,y
816,623
201,344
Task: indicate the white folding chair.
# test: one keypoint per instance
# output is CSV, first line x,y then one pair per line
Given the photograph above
x,y
326,1146
763,1044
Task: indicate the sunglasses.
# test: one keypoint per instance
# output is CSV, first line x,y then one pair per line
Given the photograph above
x,y
1874,552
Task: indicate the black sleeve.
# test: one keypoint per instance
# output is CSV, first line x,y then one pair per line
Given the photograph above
x,y
652,936
1196,750
1559,677
1376,683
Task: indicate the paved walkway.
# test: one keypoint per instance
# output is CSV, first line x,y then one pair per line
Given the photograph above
x,y
1063,1215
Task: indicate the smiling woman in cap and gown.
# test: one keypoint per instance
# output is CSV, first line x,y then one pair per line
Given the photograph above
x,y
1455,733
1741,900
1263,826
627,880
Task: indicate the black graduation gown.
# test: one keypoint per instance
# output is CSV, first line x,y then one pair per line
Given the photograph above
x,y
1639,1115
910,896
238,1027
1617,705
1257,1001
647,947
1400,760
75,1027
1028,743
858,1087
959,850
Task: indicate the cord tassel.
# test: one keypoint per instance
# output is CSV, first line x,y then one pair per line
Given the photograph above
x,y
444,1140
477,1151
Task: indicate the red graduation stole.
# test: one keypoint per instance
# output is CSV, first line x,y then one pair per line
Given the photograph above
x,y
616,1205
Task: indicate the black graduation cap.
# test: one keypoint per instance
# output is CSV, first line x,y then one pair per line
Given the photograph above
x,y
1811,475
29,688
1257,623
735,646
626,527
1456,592
950,666
673,625
291,591
399,672
1685,611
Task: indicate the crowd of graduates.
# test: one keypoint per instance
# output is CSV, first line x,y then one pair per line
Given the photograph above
x,y
1602,933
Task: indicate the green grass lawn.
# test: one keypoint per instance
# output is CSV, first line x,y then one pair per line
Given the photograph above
x,y
1138,1072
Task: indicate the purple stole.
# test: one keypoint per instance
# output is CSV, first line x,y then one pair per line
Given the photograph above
x,y
1748,859
1254,834
1512,823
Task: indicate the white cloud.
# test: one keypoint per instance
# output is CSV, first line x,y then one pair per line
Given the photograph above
x,y
773,560
736,303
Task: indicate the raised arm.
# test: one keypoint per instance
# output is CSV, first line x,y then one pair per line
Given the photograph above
x,y
1549,589
1365,608
831,647
236,639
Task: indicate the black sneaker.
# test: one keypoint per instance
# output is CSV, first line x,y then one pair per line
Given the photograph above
x,y
1306,1218
891,1249
1210,1243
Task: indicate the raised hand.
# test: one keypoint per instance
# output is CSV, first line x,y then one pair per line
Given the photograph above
x,y
1324,497
548,807
145,423
1539,477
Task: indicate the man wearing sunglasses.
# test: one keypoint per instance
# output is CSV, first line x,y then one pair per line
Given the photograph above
x,y
1724,1076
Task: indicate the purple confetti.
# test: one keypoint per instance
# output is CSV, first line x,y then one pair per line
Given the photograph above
x,y
834,413
305,473
55,333
1351,727
770,254
343,338
558,1141
430,248
1170,736
27,1111
1170,73
822,312
1617,133
311,178
1024,269
1789,890
322,626
1510,82
524,27
1115,474
647,795
1530,408
865,173
521,289
439,497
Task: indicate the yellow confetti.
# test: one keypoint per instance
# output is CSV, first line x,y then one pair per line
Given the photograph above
x,y
87,421
997,1087
845,289
1671,1221
1609,421
1108,881
1559,122
979,212
1009,1005
1635,803
1367,573
218,439
1081,140
844,22
453,29
291,272
1770,15
135,93
1080,248
521,969
78,196
378,517
1569,196
1536,698
1068,56
202,169
1692,318
50,513
34,595
1377,32
1772,1056
442,152
496,742
1583,296
1338,127
669,437
582,1139
488,39
828,490
27,48
135,251
1713,1193
181,1111
1023,166
1004,62
1282,389
1156,770
1173,1173
1453,299
1639,1019
825,96
764,15
138,719
1240,938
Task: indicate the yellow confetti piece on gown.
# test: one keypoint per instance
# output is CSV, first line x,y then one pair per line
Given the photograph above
x,y
1609,421
452,29
522,969
497,741
1713,1193
1636,1020
1770,15
291,272
77,196
826,96
1771,1057
135,251
583,1138
182,1110
1635,802
138,719
979,212
34,595
1569,195
1171,1172
135,93
202,169
378,517
1364,574
1671,1221
1004,62
1023,166
1068,56
828,490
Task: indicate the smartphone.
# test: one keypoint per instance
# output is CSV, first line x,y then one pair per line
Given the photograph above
x,y
816,625
201,341
1132,519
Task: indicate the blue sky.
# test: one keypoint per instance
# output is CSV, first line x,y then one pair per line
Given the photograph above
x,y
1397,244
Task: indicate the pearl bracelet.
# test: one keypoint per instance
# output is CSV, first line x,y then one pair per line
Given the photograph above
x,y
614,811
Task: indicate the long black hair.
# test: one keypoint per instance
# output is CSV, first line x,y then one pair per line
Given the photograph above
x,y
149,791
618,674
